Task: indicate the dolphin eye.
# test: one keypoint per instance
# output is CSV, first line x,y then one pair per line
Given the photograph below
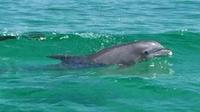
x,y
146,52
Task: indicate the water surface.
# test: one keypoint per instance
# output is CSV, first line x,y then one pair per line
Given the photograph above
x,y
79,27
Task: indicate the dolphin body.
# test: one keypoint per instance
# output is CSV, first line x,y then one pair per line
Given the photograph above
x,y
123,55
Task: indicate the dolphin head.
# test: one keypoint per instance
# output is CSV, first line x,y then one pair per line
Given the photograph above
x,y
130,53
150,49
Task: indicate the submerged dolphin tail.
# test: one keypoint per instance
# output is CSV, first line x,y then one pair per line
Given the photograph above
x,y
60,57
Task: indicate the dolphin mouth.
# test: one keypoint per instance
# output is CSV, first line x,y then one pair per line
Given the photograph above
x,y
162,52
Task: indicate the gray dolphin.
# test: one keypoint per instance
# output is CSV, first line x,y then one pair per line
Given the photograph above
x,y
122,55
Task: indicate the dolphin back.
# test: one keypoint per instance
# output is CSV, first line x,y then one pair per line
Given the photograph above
x,y
75,61
70,59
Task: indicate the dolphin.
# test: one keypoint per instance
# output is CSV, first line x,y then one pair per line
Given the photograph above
x,y
123,55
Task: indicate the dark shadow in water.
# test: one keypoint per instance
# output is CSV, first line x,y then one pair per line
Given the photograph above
x,y
7,37
35,35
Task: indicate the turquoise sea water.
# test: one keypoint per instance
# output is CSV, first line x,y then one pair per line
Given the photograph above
x,y
45,27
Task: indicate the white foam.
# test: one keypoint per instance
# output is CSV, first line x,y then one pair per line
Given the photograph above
x,y
170,53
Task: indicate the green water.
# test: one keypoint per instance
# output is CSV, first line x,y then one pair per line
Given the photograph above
x,y
28,82
172,84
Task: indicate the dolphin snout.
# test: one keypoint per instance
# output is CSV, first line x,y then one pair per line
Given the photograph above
x,y
166,51
163,52
170,53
